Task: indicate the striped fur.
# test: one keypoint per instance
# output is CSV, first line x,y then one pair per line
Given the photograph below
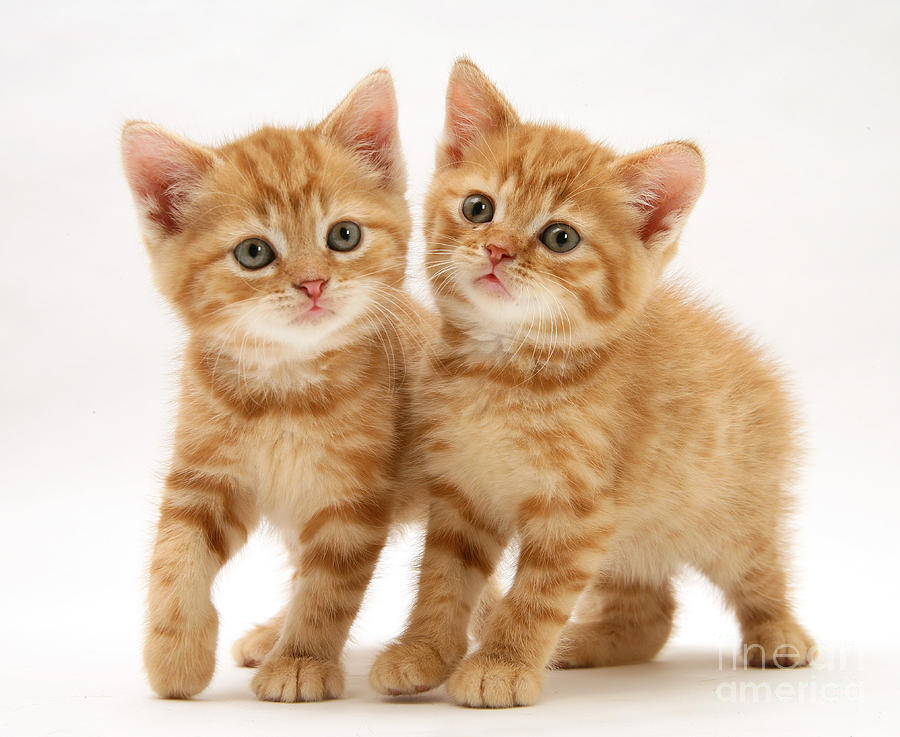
x,y
300,420
618,429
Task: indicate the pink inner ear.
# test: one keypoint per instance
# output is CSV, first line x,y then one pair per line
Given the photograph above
x,y
474,107
668,182
366,122
374,135
466,116
160,170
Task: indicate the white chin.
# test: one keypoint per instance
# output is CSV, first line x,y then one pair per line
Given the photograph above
x,y
494,304
303,335
323,331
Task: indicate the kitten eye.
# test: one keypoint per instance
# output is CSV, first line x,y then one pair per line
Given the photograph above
x,y
254,253
344,236
560,237
478,208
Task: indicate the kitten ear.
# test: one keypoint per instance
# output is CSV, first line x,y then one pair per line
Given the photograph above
x,y
163,171
474,107
366,122
664,183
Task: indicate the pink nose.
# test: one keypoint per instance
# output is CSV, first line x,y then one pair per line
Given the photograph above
x,y
312,288
497,253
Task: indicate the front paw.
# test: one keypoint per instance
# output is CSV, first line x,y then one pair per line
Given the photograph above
x,y
281,678
180,661
485,681
408,668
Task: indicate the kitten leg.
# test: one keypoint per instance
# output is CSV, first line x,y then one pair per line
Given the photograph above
x,y
204,519
756,586
251,649
631,623
340,546
461,550
558,554
490,599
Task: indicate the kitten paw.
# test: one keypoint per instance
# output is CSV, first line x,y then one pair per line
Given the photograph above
x,y
287,679
574,648
251,650
484,681
408,668
779,644
601,644
179,662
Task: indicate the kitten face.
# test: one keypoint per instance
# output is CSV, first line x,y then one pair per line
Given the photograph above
x,y
291,190
536,234
542,184
288,238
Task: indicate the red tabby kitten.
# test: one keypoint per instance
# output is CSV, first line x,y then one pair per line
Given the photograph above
x,y
284,254
618,428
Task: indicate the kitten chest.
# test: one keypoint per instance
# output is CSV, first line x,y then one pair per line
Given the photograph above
x,y
502,447
300,464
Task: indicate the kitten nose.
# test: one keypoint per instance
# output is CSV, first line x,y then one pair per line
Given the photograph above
x,y
312,288
497,253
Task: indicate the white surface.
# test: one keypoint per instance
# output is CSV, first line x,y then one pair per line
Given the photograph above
x,y
796,107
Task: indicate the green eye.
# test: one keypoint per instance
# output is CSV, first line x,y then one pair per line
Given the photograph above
x,y
560,237
344,236
254,253
478,208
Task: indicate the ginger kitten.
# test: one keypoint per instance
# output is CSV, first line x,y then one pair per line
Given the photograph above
x,y
284,254
617,427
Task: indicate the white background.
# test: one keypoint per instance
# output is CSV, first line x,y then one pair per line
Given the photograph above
x,y
796,108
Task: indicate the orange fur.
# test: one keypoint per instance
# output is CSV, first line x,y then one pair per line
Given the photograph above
x,y
287,411
620,429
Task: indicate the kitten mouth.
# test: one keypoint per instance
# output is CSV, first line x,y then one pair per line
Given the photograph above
x,y
491,283
314,313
